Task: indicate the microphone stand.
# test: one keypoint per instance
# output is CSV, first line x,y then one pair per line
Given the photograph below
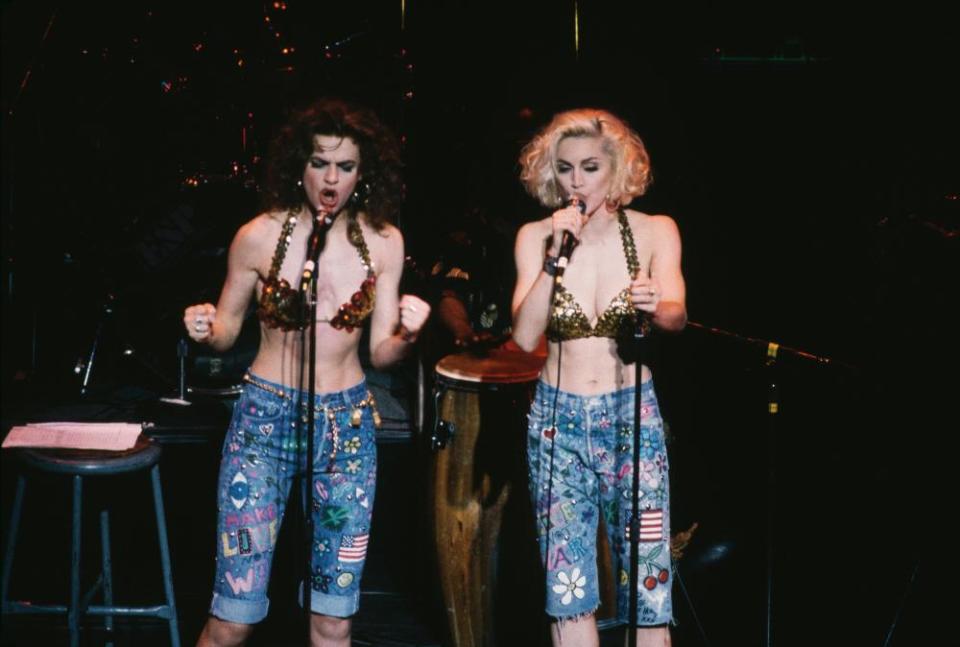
x,y
567,244
87,368
639,343
308,288
181,399
773,352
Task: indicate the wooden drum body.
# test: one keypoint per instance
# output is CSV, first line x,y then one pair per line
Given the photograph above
x,y
479,488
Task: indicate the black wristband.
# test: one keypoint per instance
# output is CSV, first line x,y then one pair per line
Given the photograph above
x,y
550,265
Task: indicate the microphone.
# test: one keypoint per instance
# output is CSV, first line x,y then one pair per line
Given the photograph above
x,y
321,221
568,242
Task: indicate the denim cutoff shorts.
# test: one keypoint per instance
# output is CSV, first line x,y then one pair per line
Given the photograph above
x,y
591,478
263,453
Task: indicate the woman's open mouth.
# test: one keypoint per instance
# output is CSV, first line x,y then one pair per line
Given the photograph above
x,y
329,199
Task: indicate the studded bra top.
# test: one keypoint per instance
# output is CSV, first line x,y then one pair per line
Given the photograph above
x,y
282,306
567,321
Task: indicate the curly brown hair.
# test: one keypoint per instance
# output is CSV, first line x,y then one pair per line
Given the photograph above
x,y
380,184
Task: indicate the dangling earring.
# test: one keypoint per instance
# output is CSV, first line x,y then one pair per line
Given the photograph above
x,y
611,204
360,195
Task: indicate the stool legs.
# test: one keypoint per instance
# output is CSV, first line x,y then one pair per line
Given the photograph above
x,y
107,575
12,539
78,606
165,555
73,612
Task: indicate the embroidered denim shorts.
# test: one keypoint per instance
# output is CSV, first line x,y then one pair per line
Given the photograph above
x,y
262,456
590,478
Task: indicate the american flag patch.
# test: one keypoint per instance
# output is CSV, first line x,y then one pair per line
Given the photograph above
x,y
353,548
651,525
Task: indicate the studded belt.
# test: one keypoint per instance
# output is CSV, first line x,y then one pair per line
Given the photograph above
x,y
356,409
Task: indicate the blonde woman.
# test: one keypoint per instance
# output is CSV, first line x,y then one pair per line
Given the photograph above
x,y
624,270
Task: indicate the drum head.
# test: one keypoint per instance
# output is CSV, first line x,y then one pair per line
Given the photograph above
x,y
499,366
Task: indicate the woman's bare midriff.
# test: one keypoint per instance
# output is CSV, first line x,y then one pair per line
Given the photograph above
x,y
337,366
590,366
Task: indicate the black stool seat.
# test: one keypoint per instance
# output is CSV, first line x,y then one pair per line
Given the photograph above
x,y
80,464
87,462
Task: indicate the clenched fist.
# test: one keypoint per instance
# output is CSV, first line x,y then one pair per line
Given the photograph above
x,y
198,320
413,314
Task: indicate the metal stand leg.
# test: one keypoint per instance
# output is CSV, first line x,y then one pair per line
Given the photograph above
x,y
88,368
107,572
12,539
903,602
73,613
165,555
693,610
181,398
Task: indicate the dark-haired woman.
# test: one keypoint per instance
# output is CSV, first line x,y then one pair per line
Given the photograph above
x,y
338,161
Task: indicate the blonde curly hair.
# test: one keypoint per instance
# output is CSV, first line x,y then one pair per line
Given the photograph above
x,y
631,164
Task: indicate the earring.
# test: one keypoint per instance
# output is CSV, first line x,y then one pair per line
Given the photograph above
x,y
612,204
360,195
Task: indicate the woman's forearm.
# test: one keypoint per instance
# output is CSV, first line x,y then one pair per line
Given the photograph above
x,y
531,317
670,316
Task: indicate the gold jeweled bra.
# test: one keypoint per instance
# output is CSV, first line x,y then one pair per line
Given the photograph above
x,y
567,320
281,306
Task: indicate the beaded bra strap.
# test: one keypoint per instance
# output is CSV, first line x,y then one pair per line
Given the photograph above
x,y
355,234
286,235
629,248
633,265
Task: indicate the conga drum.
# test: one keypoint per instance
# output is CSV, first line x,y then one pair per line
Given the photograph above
x,y
478,467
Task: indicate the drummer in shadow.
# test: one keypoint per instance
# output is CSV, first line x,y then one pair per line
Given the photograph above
x,y
469,291
469,285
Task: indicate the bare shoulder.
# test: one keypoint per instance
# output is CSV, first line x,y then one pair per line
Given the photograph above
x,y
385,244
386,238
388,232
259,233
534,233
659,226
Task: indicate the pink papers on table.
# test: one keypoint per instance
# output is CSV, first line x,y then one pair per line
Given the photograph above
x,y
116,436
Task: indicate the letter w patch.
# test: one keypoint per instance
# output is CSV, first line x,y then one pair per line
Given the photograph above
x,y
241,584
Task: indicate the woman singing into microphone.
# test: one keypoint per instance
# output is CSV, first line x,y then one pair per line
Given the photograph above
x,y
624,271
335,160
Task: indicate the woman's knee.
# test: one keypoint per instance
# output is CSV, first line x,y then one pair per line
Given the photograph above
x,y
329,627
222,633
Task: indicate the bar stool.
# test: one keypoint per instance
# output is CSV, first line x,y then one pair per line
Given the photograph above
x,y
80,464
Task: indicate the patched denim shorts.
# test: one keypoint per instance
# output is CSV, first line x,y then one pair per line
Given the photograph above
x,y
263,453
590,442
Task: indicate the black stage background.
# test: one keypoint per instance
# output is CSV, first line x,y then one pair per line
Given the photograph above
x,y
808,154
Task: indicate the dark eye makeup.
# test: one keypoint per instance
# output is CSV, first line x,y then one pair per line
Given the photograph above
x,y
346,167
